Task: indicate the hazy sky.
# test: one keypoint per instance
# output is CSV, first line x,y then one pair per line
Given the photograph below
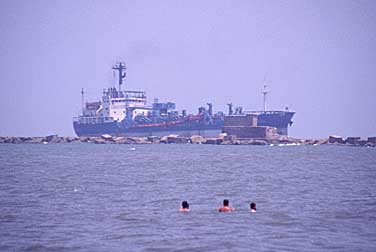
x,y
319,59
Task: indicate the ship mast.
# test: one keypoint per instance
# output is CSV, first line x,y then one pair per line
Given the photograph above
x,y
82,101
265,92
120,67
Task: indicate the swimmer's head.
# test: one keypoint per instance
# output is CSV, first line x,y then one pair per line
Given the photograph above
x,y
253,205
185,204
225,202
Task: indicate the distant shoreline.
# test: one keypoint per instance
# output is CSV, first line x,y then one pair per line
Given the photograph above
x,y
175,139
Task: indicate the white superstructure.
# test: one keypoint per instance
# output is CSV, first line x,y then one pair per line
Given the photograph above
x,y
119,104
115,106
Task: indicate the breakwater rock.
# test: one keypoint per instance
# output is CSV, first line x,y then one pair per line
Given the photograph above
x,y
222,139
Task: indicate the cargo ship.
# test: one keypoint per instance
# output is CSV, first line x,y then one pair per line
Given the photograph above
x,y
127,113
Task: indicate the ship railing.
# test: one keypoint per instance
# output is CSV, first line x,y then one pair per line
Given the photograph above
x,y
123,94
140,94
269,112
92,119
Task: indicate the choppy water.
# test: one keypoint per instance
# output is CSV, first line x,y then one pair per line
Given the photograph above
x,y
86,197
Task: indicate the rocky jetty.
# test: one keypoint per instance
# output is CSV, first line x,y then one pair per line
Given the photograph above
x,y
222,139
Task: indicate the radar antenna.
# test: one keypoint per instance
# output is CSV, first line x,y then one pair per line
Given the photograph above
x,y
120,67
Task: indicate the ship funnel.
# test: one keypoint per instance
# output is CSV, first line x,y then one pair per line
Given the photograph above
x,y
210,110
230,111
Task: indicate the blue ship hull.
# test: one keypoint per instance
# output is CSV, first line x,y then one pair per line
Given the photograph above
x,y
117,129
278,119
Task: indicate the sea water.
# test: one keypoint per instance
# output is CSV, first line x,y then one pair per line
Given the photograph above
x,y
88,197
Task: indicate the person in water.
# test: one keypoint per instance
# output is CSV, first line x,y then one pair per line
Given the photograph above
x,y
184,207
226,207
253,207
